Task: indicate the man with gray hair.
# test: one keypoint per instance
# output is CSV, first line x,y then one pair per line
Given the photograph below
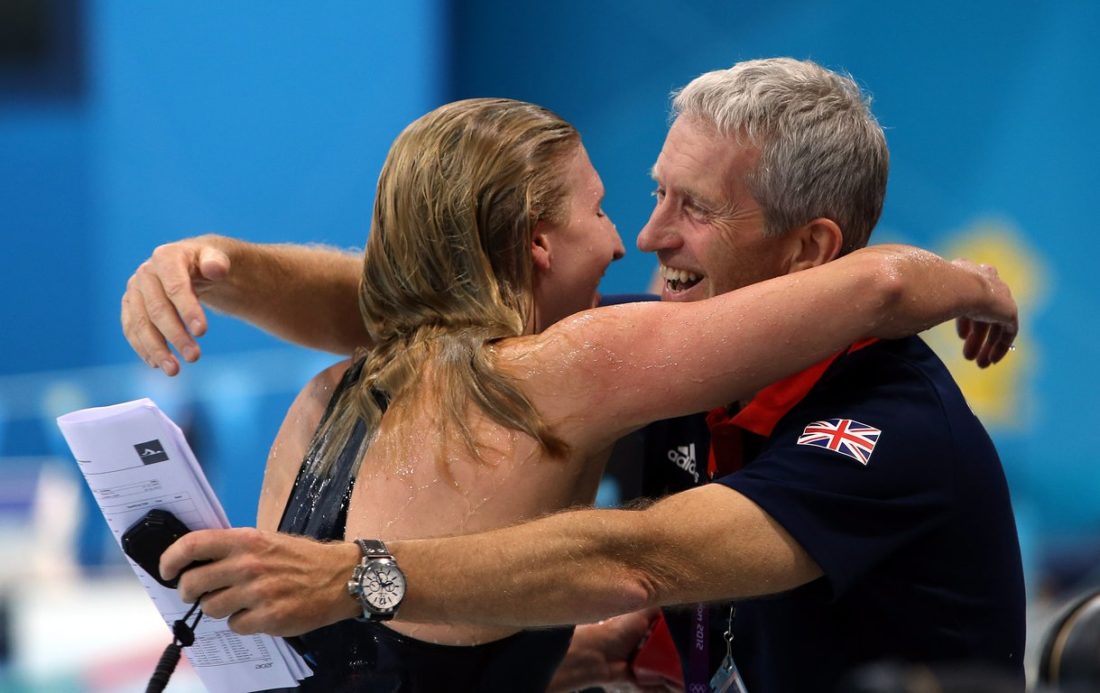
x,y
856,512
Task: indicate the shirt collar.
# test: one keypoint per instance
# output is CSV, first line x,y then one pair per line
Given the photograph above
x,y
773,402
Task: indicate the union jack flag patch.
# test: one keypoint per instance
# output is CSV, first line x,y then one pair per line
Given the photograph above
x,y
846,436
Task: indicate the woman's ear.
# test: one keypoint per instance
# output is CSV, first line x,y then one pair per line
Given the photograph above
x,y
540,247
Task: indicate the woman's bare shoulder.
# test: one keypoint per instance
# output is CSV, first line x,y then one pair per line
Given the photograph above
x,y
291,443
318,391
309,406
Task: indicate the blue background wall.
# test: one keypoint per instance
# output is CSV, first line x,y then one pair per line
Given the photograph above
x,y
270,121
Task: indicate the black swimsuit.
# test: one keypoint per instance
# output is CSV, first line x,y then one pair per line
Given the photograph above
x,y
353,655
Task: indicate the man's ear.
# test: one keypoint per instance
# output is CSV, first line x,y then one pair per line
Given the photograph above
x,y
815,243
540,247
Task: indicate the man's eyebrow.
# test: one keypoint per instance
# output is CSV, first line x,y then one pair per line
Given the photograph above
x,y
683,191
718,208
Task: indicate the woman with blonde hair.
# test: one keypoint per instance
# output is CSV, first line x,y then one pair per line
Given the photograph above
x,y
480,403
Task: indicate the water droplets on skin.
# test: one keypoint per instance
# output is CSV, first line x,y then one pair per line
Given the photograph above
x,y
398,516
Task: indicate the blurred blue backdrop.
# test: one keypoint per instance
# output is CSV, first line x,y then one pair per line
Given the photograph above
x,y
125,125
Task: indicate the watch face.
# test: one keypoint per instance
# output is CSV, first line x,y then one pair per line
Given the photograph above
x,y
383,585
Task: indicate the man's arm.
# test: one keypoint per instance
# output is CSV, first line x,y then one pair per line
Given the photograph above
x,y
305,294
580,566
701,545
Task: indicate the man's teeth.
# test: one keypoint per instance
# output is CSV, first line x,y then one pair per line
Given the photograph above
x,y
679,279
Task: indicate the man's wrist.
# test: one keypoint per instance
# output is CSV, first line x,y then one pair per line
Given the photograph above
x,y
346,606
377,582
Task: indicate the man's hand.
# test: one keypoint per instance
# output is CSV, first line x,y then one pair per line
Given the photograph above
x,y
601,653
265,582
161,303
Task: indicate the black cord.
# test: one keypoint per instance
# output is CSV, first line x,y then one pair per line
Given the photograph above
x,y
183,636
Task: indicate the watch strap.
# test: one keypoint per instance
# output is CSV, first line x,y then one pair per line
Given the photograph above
x,y
372,548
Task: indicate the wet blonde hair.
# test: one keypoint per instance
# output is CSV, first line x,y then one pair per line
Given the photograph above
x,y
448,267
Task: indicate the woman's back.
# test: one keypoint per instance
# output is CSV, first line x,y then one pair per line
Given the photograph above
x,y
418,478
438,489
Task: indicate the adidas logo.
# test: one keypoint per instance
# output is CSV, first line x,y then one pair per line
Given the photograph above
x,y
683,456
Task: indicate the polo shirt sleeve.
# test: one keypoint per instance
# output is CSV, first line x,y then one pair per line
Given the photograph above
x,y
848,516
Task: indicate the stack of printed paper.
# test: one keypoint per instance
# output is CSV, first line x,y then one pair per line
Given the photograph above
x,y
136,459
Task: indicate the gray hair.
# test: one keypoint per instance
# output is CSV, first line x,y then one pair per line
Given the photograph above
x,y
822,153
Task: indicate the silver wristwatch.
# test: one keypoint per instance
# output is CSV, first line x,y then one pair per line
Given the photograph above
x,y
377,582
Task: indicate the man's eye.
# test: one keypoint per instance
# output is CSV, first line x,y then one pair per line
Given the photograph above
x,y
696,211
659,193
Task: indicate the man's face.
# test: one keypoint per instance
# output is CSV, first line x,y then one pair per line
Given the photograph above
x,y
707,230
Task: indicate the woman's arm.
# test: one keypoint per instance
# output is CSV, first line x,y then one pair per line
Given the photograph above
x,y
624,366
304,294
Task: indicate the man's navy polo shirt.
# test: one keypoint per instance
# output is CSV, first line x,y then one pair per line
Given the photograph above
x,y
912,526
